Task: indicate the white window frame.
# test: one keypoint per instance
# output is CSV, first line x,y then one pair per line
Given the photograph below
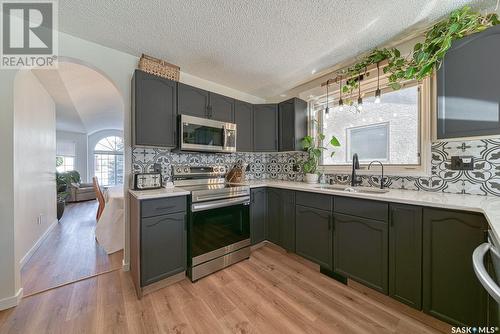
x,y
115,155
423,168
64,159
348,139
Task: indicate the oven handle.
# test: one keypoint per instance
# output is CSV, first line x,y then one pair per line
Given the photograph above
x,y
220,204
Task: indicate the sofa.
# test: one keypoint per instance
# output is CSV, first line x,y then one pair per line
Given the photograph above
x,y
79,191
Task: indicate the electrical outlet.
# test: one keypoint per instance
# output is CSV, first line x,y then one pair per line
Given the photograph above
x,y
462,163
40,219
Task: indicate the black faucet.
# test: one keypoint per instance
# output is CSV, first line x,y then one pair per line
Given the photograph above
x,y
355,165
382,176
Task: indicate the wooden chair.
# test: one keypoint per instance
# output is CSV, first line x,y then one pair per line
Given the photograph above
x,y
100,197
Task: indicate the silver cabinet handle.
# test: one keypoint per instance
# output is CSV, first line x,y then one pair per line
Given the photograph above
x,y
482,274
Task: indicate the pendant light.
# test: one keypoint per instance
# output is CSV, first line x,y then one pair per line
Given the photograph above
x,y
377,92
327,109
360,99
341,102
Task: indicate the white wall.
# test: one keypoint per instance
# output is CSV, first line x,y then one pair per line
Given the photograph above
x,y
93,139
34,163
80,140
9,273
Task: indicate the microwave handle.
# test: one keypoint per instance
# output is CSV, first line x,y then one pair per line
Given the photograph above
x,y
224,136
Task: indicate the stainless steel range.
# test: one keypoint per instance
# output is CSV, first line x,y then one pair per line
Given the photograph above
x,y
219,219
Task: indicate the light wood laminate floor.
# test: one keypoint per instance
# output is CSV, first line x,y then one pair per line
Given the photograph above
x,y
273,292
70,252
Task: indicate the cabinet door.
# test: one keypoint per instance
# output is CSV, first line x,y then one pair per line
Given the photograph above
x,y
265,128
288,220
155,108
221,108
243,117
258,215
274,215
192,101
361,250
292,124
405,254
462,88
287,125
163,247
451,291
313,235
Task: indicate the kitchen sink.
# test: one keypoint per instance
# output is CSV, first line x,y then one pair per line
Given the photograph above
x,y
367,190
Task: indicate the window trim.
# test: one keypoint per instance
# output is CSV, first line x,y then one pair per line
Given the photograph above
x,y
423,168
64,158
114,153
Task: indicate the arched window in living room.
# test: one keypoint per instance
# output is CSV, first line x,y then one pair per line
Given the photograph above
x,y
108,161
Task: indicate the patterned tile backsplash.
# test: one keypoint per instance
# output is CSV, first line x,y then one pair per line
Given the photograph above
x,y
483,180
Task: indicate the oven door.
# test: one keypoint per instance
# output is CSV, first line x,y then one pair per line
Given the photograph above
x,y
200,134
218,228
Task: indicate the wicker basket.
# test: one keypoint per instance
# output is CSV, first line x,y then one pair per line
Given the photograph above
x,y
159,67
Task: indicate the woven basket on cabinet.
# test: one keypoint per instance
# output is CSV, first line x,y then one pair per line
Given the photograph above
x,y
159,67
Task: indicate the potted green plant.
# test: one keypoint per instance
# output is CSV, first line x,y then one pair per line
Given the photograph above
x,y
314,148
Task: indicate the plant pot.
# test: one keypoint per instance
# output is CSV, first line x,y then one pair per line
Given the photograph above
x,y
311,178
60,209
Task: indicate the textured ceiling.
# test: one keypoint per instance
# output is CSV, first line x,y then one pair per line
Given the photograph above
x,y
85,100
260,47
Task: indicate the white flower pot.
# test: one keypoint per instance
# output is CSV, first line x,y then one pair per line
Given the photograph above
x,y
311,178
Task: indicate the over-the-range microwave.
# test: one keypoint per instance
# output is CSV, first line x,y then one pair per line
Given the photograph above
x,y
201,134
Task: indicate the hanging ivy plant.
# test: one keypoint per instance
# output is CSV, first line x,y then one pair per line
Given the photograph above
x,y
426,56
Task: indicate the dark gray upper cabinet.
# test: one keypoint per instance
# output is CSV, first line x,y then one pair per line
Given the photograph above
x,y
361,250
313,239
258,215
292,124
243,117
467,87
154,110
451,291
221,108
192,101
281,218
163,247
265,127
405,254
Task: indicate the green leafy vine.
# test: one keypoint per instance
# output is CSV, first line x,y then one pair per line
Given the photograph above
x,y
426,56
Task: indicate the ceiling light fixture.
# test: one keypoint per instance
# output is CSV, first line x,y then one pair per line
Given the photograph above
x,y
360,99
377,92
341,102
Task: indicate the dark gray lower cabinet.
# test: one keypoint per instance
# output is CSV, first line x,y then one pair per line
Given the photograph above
x,y
258,215
405,254
163,247
313,235
451,291
281,218
361,250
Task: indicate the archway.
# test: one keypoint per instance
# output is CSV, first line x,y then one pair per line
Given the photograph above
x,y
84,101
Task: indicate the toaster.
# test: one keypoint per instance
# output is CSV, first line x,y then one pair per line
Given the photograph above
x,y
144,181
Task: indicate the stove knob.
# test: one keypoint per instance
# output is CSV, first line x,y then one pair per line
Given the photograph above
x,y
186,170
178,170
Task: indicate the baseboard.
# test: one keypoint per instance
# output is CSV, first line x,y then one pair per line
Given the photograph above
x,y
11,301
37,244
125,265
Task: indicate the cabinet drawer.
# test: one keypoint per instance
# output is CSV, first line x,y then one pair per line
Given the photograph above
x,y
362,208
313,200
162,206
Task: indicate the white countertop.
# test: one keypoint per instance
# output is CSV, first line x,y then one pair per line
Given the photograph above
x,y
158,193
487,205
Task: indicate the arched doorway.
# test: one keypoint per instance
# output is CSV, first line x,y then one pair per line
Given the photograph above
x,y
85,102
